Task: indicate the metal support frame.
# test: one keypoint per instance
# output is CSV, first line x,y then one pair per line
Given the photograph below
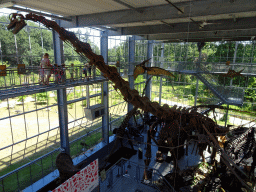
x,y
131,60
1,53
163,12
231,81
87,96
226,120
234,61
196,90
149,86
200,46
61,96
149,55
161,78
105,117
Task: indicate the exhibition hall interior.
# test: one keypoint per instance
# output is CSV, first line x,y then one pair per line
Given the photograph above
x,y
131,96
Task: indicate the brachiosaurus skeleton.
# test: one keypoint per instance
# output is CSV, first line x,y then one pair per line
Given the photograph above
x,y
190,119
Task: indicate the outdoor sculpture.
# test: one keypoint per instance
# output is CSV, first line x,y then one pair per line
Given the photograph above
x,y
177,121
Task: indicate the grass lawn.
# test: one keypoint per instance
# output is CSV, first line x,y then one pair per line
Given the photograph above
x,y
41,168
30,124
40,121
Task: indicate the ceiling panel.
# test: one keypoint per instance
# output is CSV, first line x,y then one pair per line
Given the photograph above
x,y
213,17
82,7
74,7
146,3
154,17
137,24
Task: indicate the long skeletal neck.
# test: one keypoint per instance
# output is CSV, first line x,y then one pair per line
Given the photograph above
x,y
111,73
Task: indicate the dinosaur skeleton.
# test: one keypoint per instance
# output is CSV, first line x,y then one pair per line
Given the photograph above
x,y
241,147
178,122
231,73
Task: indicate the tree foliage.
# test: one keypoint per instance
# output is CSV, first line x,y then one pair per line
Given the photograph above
x,y
32,42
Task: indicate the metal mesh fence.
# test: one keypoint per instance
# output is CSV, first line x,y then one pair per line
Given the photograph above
x,y
184,56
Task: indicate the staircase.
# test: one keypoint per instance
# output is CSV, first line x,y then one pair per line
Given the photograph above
x,y
227,94
230,95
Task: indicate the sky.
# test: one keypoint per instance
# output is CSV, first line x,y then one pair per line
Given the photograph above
x,y
113,41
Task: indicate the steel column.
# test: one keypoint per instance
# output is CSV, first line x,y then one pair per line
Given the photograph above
x,y
149,55
231,81
199,46
234,61
57,47
105,117
161,78
1,54
61,95
16,48
131,60
226,120
196,90
87,96
149,86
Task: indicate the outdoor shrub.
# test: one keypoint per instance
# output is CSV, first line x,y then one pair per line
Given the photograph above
x,y
41,97
84,103
21,98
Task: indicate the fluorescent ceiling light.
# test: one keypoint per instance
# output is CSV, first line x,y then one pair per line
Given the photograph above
x,y
7,4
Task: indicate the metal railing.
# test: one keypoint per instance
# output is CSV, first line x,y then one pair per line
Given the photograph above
x,y
248,69
230,94
30,76
126,175
16,177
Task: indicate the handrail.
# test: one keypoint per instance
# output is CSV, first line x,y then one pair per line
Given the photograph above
x,y
154,170
142,166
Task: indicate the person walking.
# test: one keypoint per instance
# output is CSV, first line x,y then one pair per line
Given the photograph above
x,y
85,72
46,69
71,71
41,75
63,73
90,70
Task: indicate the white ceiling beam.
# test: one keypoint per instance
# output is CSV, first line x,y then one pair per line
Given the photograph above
x,y
205,36
127,5
39,13
163,12
214,25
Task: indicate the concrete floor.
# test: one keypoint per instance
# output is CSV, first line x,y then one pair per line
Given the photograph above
x,y
125,184
164,168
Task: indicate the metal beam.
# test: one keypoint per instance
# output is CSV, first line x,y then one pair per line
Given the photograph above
x,y
149,85
149,56
58,47
205,36
105,117
216,25
199,46
40,13
127,5
131,60
166,11
61,95
161,78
